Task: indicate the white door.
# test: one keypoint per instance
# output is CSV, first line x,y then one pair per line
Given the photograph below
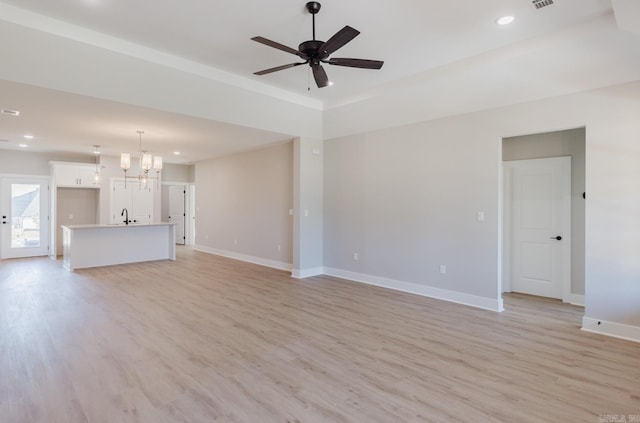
x,y
177,199
540,222
141,204
138,202
121,199
25,226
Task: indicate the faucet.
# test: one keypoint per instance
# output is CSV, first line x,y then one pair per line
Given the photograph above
x,y
126,219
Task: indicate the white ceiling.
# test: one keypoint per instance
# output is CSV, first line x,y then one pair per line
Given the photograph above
x,y
414,37
64,122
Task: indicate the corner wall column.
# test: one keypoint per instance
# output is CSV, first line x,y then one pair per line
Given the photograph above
x,y
307,208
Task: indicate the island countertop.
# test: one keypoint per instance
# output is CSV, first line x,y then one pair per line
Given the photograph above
x,y
105,245
116,225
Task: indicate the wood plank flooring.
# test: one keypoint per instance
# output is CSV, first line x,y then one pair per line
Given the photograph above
x,y
208,339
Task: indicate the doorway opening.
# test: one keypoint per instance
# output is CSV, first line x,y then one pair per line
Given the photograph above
x,y
177,207
543,192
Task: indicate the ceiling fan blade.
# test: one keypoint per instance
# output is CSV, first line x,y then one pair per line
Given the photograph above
x,y
279,68
319,74
356,63
279,46
338,40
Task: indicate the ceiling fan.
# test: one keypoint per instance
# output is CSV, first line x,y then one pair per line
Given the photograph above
x,y
315,52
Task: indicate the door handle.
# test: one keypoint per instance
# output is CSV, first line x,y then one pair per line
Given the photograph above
x,y
557,238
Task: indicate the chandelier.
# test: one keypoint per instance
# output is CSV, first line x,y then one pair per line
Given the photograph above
x,y
147,162
97,178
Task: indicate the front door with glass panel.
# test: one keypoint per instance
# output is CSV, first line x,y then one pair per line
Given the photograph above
x,y
24,224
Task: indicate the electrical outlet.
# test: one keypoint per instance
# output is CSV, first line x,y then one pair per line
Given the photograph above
x,y
355,256
443,269
480,216
279,248
235,241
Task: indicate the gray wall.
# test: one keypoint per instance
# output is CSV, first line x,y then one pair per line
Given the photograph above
x,y
308,210
243,202
30,163
406,198
177,173
75,206
557,144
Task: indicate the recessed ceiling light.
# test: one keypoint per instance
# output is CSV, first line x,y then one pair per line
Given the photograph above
x,y
505,20
330,83
29,136
177,153
10,112
23,145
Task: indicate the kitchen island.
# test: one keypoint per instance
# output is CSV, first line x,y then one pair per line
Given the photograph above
x,y
105,245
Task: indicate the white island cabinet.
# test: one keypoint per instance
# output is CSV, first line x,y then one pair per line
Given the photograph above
x,y
104,245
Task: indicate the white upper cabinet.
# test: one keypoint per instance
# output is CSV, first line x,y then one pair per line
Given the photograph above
x,y
74,175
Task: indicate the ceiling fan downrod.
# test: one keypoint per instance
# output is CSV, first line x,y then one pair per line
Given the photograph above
x,y
313,7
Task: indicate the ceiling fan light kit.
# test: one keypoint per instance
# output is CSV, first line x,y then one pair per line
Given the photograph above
x,y
315,52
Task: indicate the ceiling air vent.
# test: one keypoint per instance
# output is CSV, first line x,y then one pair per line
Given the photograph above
x,y
4,140
10,112
539,4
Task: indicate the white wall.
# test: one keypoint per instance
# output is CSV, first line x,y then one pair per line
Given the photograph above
x,y
242,205
558,144
405,198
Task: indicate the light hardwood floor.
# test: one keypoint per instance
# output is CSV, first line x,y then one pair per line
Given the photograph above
x,y
209,339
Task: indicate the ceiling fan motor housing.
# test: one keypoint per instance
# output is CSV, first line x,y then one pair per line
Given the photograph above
x,y
311,49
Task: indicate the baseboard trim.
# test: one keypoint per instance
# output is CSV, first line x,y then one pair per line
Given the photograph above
x,y
616,330
244,257
424,290
306,273
576,299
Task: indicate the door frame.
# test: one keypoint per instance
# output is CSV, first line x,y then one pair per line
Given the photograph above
x,y
185,222
189,209
45,198
507,248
